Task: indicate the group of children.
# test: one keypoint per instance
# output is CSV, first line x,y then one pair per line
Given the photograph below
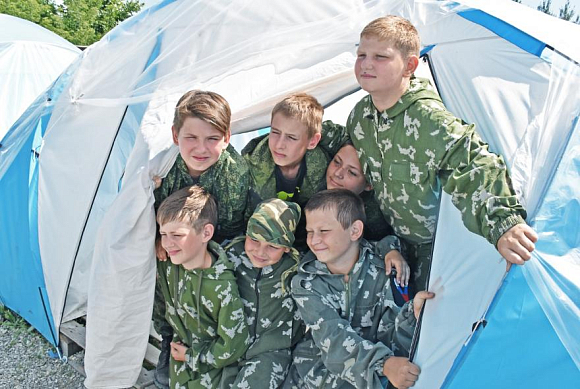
x,y
280,258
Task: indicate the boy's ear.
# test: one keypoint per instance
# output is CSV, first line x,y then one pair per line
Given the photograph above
x,y
313,142
175,135
207,232
227,138
356,230
411,66
286,249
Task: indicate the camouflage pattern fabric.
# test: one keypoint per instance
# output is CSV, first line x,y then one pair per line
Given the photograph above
x,y
228,181
414,149
206,312
355,325
263,179
273,321
274,221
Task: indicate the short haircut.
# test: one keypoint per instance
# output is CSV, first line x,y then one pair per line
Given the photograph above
x,y
192,205
347,206
207,106
397,31
303,107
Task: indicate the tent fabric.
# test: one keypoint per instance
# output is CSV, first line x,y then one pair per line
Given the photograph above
x,y
102,132
31,57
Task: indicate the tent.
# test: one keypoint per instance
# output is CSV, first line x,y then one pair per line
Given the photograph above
x,y
31,57
80,207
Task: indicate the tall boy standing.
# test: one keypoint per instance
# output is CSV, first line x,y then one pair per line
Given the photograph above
x,y
411,147
201,129
358,334
199,285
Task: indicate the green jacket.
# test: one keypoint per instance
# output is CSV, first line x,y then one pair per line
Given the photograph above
x,y
271,313
355,325
228,180
414,149
205,310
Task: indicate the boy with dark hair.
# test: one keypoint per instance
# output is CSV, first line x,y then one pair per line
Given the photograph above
x,y
201,129
202,301
358,336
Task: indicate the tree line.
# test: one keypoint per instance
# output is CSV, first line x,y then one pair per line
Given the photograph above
x,y
81,22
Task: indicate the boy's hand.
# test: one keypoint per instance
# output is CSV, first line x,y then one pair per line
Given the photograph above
x,y
517,244
400,372
160,251
419,301
396,260
157,181
178,351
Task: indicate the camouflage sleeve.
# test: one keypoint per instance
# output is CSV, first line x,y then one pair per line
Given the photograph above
x,y
397,326
476,178
333,137
388,243
231,338
343,351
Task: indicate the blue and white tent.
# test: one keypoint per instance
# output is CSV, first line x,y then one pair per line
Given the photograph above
x,y
77,217
31,58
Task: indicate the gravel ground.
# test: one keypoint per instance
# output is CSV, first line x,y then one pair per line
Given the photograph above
x,y
25,364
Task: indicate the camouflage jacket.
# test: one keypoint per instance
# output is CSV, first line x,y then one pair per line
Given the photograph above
x,y
205,310
414,149
355,325
228,180
261,165
272,318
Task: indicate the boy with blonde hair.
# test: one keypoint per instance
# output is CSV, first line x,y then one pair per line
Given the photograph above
x,y
286,163
201,295
410,148
201,130
358,336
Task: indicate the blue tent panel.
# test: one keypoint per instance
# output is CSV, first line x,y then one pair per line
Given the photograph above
x,y
518,348
22,286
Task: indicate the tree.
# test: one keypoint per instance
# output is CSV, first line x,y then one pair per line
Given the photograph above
x,y
545,7
567,13
82,22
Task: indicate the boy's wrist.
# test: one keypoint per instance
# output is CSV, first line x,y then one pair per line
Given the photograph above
x,y
502,227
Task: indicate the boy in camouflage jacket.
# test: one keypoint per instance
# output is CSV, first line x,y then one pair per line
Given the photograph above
x,y
264,262
202,301
411,147
286,163
201,129
358,334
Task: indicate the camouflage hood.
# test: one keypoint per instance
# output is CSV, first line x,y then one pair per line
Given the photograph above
x,y
274,221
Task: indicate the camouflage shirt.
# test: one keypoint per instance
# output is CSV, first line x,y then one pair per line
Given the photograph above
x,y
228,180
205,310
355,324
414,149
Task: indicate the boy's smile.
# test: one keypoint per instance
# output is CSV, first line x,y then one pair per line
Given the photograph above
x,y
200,144
263,254
184,245
332,245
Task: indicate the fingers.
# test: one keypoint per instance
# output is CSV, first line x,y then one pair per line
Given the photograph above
x,y
517,244
406,270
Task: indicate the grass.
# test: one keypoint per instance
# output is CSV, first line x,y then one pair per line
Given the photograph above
x,y
12,321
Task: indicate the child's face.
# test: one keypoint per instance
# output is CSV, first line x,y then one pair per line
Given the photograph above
x,y
379,68
289,140
183,244
344,171
327,239
200,144
263,254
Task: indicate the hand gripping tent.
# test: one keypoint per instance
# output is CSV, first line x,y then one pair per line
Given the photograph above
x,y
80,209
31,58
